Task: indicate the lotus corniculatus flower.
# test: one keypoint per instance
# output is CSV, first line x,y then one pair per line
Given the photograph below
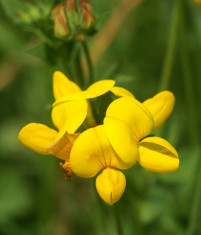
x,y
121,141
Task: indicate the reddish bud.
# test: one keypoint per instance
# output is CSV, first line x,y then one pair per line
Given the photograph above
x,y
59,14
87,10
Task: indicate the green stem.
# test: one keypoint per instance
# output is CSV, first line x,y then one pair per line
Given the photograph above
x,y
44,37
188,78
67,66
118,221
89,62
194,215
170,54
102,212
193,123
78,68
46,196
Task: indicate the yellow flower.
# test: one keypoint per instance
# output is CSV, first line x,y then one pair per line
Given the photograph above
x,y
67,118
128,122
92,153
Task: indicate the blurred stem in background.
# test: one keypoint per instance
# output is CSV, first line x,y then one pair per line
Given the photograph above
x,y
188,80
193,121
118,220
46,198
170,54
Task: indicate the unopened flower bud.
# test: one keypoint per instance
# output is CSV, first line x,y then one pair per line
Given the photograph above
x,y
87,10
60,14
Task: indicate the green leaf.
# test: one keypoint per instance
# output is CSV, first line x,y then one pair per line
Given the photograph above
x,y
39,51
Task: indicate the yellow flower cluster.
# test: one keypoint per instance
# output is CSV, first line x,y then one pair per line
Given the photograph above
x,y
117,144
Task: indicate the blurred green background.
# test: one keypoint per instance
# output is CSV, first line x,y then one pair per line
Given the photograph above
x,y
152,43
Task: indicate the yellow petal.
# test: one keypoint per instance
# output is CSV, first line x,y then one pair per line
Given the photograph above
x,y
62,86
122,140
97,89
62,147
126,122
110,185
37,137
156,154
121,92
69,116
92,152
161,106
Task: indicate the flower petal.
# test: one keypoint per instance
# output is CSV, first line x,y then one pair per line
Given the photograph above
x,y
122,140
92,152
161,106
37,137
97,89
62,147
62,86
156,154
69,116
121,92
110,185
126,122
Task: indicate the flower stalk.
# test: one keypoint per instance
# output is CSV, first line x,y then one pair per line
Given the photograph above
x,y
118,221
89,61
170,54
